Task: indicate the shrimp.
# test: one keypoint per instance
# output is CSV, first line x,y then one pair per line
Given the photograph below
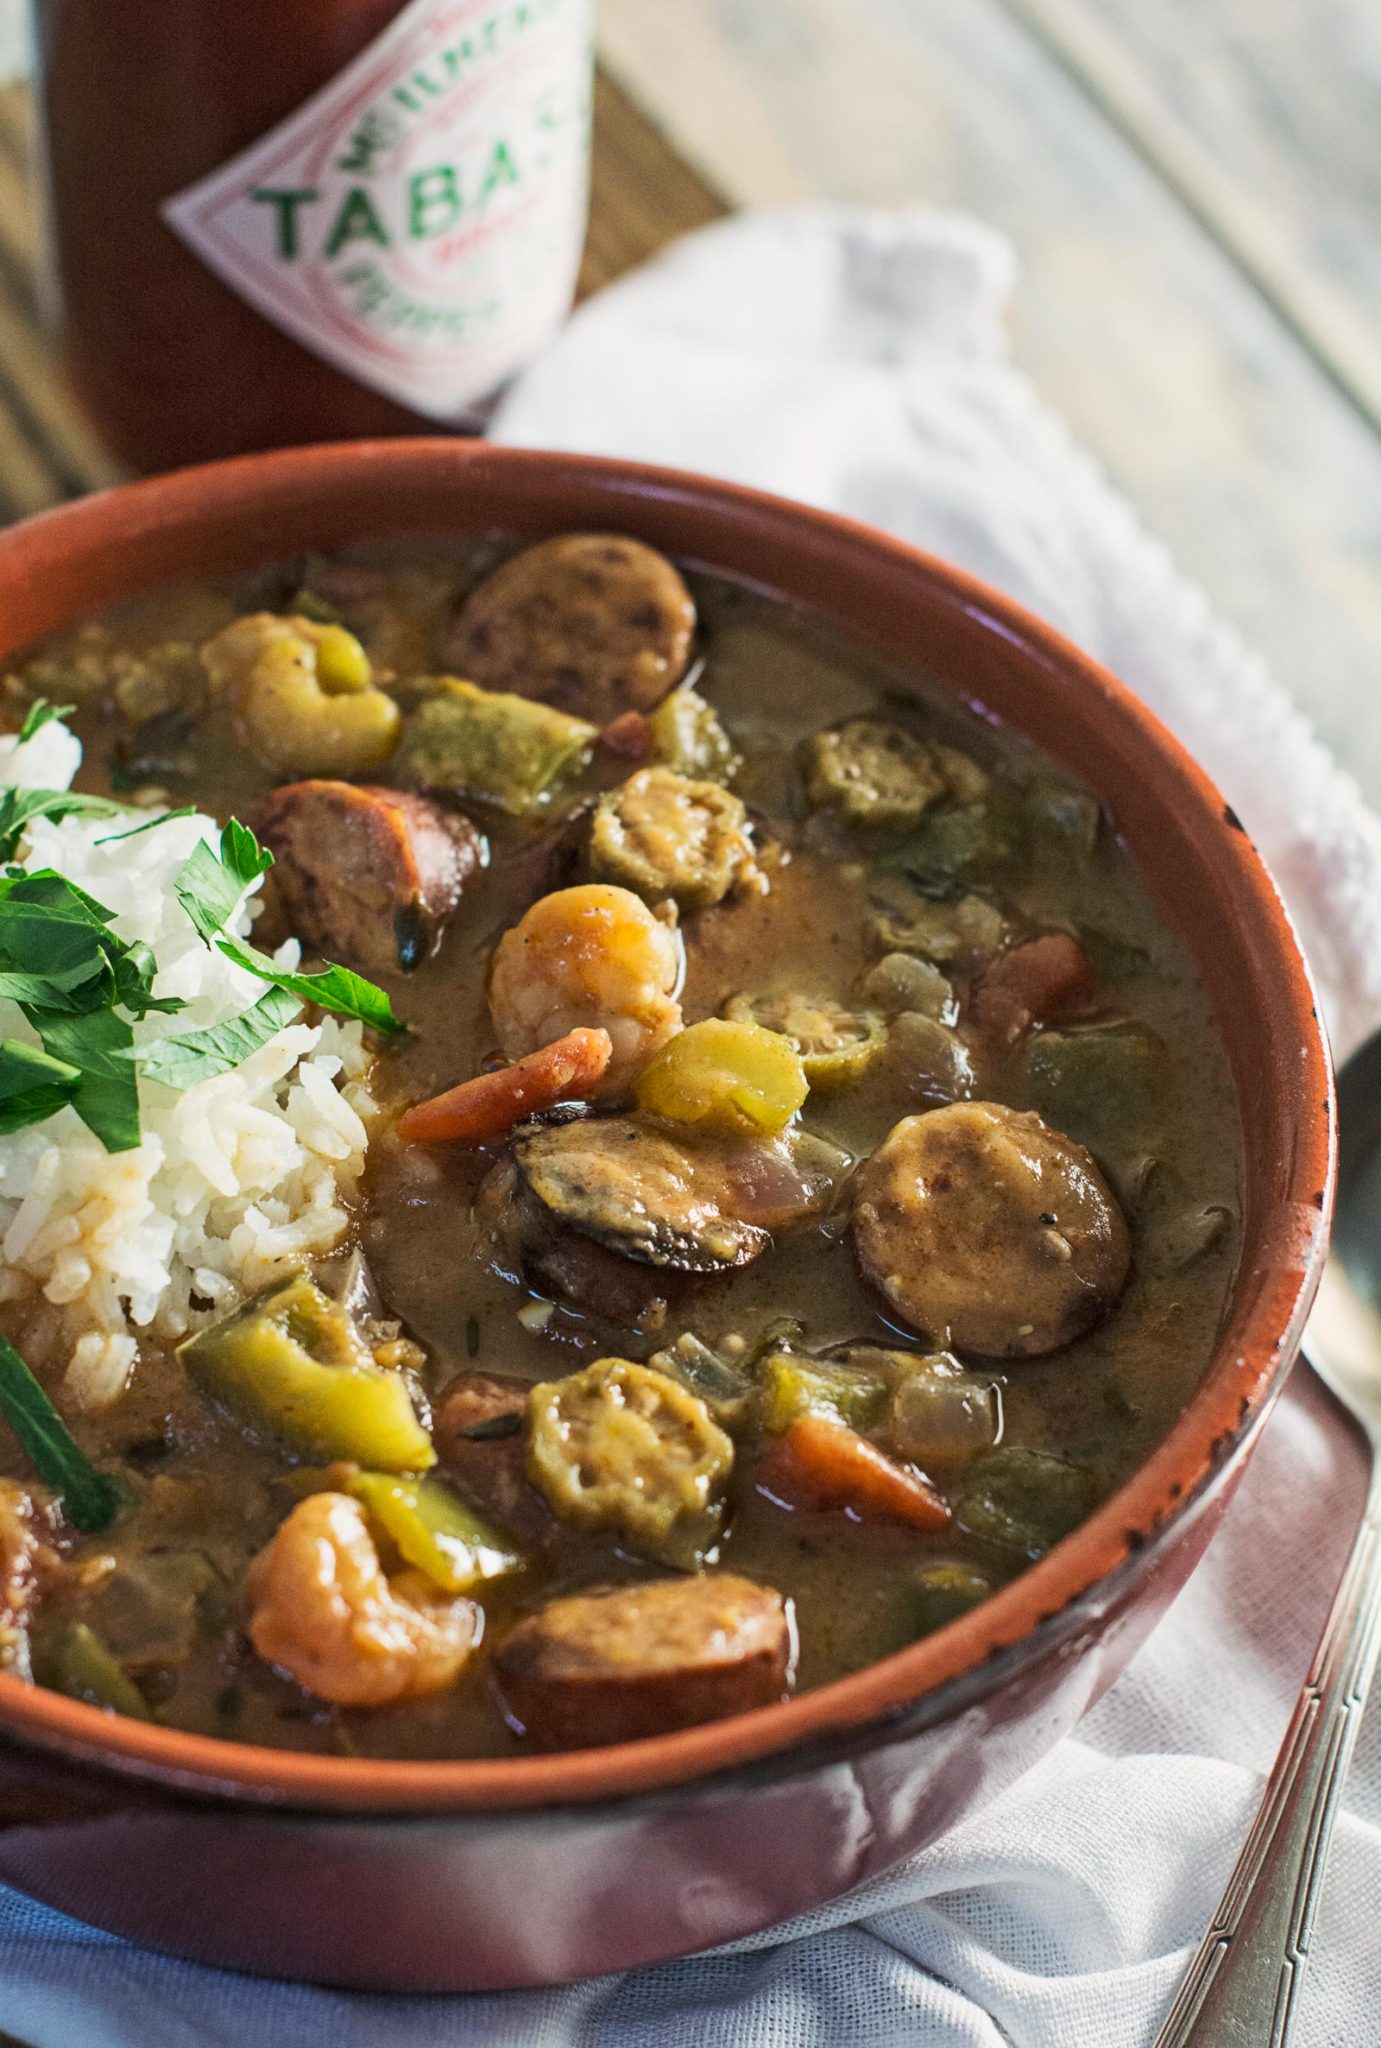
x,y
304,695
594,956
321,1609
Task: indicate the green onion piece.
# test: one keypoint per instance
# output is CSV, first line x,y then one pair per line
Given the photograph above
x,y
83,1668
90,1498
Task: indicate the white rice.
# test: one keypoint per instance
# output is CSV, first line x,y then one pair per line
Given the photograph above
x,y
235,1180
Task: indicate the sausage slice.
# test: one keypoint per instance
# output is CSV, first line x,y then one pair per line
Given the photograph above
x,y
628,1661
585,1208
527,1244
636,1191
593,622
480,1439
990,1231
368,875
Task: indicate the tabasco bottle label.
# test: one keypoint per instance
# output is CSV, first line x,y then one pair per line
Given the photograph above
x,y
418,222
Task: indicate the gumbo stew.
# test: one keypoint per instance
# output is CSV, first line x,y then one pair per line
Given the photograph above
x,y
754,1174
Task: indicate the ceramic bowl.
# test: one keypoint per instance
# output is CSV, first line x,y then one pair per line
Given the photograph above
x,y
440,1876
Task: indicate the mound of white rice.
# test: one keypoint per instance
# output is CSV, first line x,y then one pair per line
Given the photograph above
x,y
234,1180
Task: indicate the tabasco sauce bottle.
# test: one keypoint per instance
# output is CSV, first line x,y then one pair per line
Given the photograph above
x,y
278,221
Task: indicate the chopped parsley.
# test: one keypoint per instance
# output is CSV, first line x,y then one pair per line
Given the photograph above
x,y
83,989
20,807
210,890
41,713
183,1061
211,887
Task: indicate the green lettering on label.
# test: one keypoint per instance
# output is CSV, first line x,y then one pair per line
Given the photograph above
x,y
501,170
376,134
356,222
456,56
285,204
433,202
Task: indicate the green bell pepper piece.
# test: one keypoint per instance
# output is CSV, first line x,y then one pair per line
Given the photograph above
x,y
292,1364
1103,1084
81,1666
792,1386
1025,1500
434,1530
488,744
945,1591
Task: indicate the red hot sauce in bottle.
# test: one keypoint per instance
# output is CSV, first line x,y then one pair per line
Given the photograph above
x,y
278,221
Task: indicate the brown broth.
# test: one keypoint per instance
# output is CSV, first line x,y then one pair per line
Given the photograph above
x,y
775,675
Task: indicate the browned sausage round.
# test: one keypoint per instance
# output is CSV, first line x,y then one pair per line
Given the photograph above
x,y
527,1244
989,1231
368,876
594,622
616,1664
479,1437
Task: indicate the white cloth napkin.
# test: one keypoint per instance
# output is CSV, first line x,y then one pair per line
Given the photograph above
x,y
857,360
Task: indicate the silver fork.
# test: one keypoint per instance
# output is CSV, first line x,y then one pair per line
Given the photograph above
x,y
1242,1989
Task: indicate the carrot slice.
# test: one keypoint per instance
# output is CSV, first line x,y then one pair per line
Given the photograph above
x,y
629,734
822,1463
486,1107
1034,983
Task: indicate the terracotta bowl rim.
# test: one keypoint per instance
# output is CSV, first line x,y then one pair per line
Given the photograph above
x,y
972,1656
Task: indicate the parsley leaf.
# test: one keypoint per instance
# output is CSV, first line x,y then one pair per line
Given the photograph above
x,y
57,953
106,1096
33,1085
209,889
72,990
206,890
134,968
54,935
195,1056
333,988
158,818
41,713
19,808
91,1498
242,853
209,886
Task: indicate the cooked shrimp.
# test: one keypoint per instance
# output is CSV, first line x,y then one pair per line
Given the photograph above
x,y
322,1610
303,695
594,956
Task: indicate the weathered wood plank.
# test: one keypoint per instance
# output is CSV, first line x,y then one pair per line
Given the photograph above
x,y
47,450
683,67
1134,322
641,193
1262,116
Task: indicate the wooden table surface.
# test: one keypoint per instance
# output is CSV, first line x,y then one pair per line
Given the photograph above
x,y
1194,189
